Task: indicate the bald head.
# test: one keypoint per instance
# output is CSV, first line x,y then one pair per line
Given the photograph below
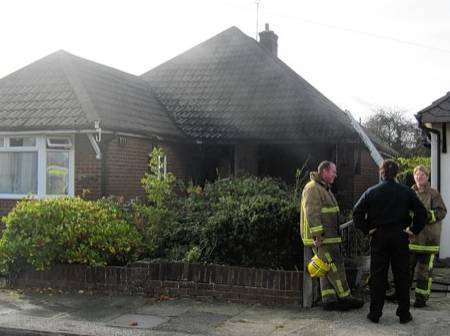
x,y
327,171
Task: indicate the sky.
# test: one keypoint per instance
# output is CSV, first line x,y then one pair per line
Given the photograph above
x,y
362,55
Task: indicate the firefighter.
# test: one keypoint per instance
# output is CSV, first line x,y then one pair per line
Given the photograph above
x,y
426,244
383,211
319,213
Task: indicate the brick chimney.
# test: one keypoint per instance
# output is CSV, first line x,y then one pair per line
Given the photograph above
x,y
268,39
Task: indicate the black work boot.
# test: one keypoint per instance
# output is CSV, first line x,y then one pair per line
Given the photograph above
x,y
351,302
404,318
420,303
373,318
335,305
329,306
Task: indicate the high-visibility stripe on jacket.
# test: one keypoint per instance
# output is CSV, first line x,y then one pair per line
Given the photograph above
x,y
424,248
427,241
319,213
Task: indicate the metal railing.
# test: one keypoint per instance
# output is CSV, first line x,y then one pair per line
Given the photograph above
x,y
354,242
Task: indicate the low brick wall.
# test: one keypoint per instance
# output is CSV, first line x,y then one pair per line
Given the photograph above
x,y
234,284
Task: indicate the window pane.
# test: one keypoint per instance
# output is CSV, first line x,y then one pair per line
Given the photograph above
x,y
2,142
59,143
22,142
18,173
57,172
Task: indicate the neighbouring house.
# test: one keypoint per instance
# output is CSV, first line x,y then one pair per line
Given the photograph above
x,y
433,120
228,106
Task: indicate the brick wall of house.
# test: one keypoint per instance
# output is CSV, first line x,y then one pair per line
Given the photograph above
x,y
182,159
87,169
6,206
126,163
366,174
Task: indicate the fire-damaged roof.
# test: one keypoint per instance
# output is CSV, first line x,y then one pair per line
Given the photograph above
x,y
230,88
437,112
63,91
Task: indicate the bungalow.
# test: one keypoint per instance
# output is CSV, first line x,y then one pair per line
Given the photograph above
x,y
226,107
433,120
68,125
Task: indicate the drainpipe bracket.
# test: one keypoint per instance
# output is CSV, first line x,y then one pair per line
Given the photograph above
x,y
95,146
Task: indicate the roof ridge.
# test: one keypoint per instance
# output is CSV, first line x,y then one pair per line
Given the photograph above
x,y
435,103
232,28
77,85
218,111
82,59
127,74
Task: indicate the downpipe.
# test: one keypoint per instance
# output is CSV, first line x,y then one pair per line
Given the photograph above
x,y
427,131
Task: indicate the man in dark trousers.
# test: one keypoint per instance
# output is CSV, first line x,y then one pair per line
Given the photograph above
x,y
383,212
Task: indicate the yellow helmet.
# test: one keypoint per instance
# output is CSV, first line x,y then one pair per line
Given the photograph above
x,y
318,268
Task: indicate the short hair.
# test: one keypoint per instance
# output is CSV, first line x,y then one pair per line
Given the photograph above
x,y
388,169
324,165
423,169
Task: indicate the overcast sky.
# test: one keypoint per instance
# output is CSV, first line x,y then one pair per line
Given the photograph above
x,y
360,54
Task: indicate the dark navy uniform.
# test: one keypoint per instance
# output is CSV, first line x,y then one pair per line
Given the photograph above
x,y
384,210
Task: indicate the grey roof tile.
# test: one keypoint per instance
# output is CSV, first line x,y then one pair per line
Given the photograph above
x,y
437,112
230,88
66,91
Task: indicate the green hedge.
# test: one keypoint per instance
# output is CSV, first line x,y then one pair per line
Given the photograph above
x,y
243,221
252,222
42,233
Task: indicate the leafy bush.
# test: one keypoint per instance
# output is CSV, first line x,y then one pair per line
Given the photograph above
x,y
157,218
252,222
243,221
42,233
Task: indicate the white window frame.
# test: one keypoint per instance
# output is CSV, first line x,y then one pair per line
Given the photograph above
x,y
52,145
41,149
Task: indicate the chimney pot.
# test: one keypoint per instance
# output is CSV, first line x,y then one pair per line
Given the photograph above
x,y
269,40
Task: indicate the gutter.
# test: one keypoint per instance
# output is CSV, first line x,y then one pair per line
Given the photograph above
x,y
39,132
429,130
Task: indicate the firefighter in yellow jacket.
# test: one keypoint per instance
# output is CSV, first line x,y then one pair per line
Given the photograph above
x,y
426,244
319,227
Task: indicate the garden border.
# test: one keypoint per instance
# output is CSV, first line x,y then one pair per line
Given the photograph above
x,y
173,279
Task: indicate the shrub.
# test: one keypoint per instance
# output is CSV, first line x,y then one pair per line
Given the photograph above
x,y
158,217
243,221
252,222
246,221
42,233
